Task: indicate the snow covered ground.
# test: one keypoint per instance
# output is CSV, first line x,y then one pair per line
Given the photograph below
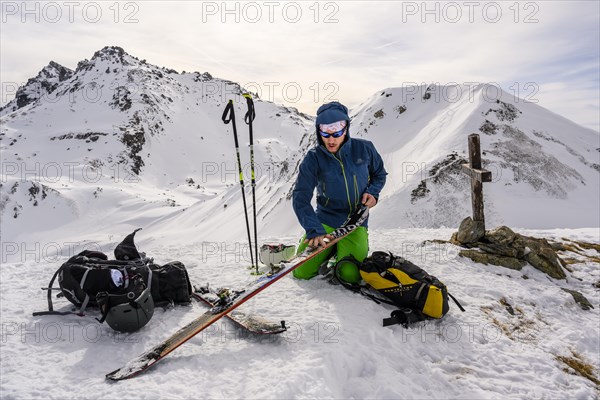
x,y
507,344
152,152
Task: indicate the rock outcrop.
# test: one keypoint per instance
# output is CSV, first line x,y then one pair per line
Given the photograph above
x,y
502,246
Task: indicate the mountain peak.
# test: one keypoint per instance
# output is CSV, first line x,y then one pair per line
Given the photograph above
x,y
55,71
44,83
111,53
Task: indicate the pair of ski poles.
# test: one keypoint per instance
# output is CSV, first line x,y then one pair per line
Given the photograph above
x,y
229,116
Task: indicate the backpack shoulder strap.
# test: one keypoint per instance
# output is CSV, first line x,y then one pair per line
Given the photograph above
x,y
404,317
50,289
456,302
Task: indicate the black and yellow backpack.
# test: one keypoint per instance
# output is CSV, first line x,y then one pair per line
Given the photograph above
x,y
417,294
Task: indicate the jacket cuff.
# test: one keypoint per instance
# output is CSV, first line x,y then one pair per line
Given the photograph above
x,y
314,233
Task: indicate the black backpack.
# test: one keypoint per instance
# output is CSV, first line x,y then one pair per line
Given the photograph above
x,y
88,273
170,283
90,278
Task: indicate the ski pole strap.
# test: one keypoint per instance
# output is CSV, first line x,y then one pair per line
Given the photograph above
x,y
250,114
49,289
38,313
456,302
404,317
87,296
228,113
50,307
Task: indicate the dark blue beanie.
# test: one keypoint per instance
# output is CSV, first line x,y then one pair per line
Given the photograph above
x,y
331,112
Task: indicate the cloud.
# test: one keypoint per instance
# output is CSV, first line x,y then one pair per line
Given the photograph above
x,y
341,50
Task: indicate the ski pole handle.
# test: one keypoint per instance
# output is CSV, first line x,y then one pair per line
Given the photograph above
x,y
250,115
228,112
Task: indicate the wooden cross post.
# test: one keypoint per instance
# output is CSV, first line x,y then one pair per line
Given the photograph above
x,y
478,176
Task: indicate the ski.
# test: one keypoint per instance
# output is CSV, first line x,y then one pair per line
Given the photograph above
x,y
229,301
250,322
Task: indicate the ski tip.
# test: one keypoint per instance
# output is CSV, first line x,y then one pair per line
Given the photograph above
x,y
124,373
114,376
121,375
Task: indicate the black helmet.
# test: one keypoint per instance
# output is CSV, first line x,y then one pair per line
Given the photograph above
x,y
129,311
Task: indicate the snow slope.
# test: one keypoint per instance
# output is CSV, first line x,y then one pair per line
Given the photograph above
x,y
545,170
335,346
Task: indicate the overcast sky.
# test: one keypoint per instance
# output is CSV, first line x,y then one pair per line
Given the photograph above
x,y
303,53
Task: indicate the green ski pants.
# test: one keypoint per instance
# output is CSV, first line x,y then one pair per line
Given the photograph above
x,y
355,244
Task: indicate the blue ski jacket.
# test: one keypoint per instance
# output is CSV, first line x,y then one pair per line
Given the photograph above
x,y
340,179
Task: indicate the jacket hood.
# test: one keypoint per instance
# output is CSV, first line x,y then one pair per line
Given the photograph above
x,y
329,113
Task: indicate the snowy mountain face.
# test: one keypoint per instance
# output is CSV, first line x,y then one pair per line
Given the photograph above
x,y
120,142
545,169
89,155
120,135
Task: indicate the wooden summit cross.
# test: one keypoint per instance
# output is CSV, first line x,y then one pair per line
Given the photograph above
x,y
478,176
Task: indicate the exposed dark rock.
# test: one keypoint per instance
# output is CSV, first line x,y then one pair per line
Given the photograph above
x,y
121,98
134,141
501,235
88,136
469,231
449,165
446,171
427,95
540,254
35,189
419,192
46,81
111,53
486,258
489,128
503,247
17,210
400,109
506,304
506,112
579,299
577,246
531,165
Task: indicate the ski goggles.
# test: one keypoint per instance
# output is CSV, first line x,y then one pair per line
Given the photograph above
x,y
335,129
334,134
